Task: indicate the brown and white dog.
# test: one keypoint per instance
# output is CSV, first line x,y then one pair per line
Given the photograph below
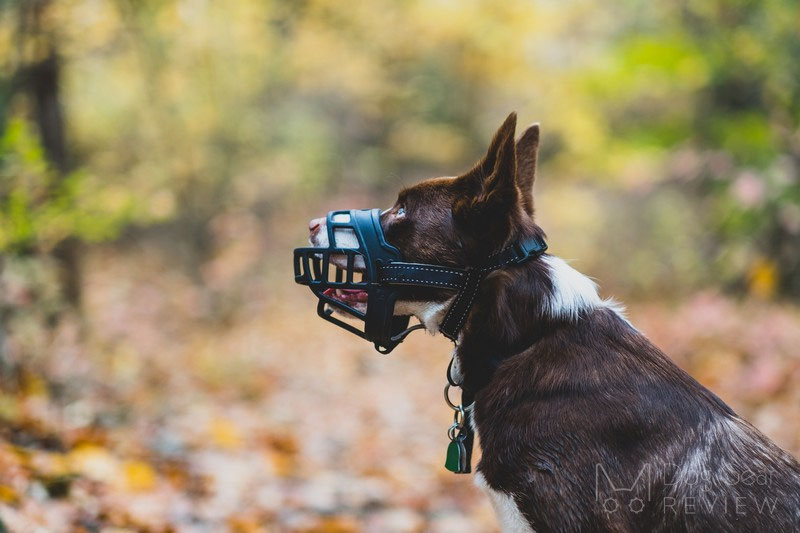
x,y
584,425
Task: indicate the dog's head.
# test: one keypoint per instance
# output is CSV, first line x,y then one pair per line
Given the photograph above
x,y
456,221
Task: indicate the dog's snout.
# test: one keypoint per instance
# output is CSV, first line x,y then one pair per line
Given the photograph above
x,y
314,225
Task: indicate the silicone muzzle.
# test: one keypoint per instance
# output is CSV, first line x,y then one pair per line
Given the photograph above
x,y
354,267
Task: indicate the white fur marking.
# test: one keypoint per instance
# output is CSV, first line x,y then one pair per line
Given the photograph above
x,y
574,293
344,237
430,314
505,508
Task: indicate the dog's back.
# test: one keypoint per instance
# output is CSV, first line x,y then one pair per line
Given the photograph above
x,y
593,428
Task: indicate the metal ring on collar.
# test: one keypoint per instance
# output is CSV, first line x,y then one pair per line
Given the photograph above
x,y
453,406
459,416
451,431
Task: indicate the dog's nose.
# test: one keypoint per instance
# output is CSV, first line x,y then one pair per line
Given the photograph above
x,y
314,224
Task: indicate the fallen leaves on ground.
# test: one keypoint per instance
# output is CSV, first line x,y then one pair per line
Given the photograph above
x,y
170,406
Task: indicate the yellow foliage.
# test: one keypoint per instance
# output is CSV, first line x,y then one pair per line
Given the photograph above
x,y
8,495
139,476
244,524
283,463
94,462
763,278
50,464
283,451
335,524
35,386
224,434
417,140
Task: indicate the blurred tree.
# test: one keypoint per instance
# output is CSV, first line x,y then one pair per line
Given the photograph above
x,y
711,89
188,109
43,204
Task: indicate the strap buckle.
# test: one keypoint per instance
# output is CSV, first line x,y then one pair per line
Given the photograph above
x,y
528,247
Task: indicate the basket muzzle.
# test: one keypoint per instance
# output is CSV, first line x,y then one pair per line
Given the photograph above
x,y
340,276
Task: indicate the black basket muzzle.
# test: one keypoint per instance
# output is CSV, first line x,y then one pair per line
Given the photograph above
x,y
354,267
358,258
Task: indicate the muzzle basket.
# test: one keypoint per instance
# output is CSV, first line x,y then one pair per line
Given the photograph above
x,y
315,267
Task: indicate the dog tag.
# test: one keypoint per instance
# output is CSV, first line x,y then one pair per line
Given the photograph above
x,y
454,454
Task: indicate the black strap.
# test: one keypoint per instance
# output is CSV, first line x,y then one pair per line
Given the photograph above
x,y
465,281
459,310
469,281
441,277
517,253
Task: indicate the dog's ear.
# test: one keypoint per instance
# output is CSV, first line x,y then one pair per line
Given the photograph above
x,y
489,197
527,152
486,166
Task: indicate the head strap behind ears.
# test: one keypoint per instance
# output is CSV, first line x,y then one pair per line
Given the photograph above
x,y
465,280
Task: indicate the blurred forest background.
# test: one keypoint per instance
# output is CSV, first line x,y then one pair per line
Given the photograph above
x,y
159,371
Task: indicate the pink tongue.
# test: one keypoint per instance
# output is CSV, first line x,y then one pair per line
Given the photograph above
x,y
360,296
347,295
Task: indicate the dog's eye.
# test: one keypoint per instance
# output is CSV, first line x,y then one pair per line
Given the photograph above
x,y
401,212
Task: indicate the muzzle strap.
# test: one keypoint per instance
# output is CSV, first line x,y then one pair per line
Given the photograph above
x,y
383,271
435,276
457,314
465,281
517,253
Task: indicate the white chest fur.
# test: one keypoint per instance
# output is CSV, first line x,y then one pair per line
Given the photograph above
x,y
509,517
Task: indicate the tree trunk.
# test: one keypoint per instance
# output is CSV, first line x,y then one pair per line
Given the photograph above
x,y
42,83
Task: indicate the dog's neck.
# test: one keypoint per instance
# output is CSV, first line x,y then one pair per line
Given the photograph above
x,y
514,308
518,306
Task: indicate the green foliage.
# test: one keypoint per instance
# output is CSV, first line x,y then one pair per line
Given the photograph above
x,y
191,109
39,209
717,82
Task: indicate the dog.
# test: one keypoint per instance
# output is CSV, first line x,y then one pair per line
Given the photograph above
x,y
584,424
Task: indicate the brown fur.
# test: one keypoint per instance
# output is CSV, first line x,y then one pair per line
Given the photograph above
x,y
557,397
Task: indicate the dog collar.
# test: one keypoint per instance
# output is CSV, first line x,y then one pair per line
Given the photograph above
x,y
465,280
